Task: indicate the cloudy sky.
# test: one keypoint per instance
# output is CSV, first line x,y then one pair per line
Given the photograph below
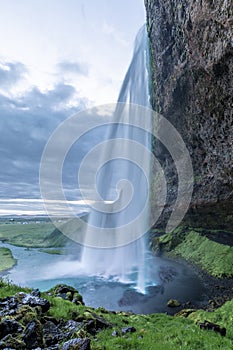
x,y
56,58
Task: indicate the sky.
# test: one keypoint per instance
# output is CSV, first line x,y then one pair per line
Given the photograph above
x,y
56,58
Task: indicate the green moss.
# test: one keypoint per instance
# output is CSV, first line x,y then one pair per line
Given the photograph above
x,y
7,260
213,257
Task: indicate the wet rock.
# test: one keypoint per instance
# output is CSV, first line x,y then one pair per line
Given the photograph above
x,y
77,344
33,301
8,306
33,336
12,343
52,334
36,293
72,326
128,330
213,326
173,303
9,326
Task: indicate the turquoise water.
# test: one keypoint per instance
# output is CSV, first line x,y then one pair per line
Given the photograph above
x,y
171,280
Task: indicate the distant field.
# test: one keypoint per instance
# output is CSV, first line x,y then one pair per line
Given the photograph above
x,y
32,235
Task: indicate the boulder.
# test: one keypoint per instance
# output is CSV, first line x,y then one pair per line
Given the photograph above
x,y
9,342
52,334
77,344
9,326
33,336
33,301
173,303
128,330
213,326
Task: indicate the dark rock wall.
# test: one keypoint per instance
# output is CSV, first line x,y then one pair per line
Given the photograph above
x,y
192,85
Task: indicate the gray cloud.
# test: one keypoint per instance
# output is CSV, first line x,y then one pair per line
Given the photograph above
x,y
73,67
11,73
26,124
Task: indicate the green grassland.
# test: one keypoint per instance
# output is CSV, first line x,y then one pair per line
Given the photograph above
x,y
32,235
6,259
215,258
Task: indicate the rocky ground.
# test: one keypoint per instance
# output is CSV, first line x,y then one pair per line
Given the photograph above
x,y
59,319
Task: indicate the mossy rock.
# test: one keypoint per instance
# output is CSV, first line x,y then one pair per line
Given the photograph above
x,y
33,334
173,303
26,314
10,342
185,312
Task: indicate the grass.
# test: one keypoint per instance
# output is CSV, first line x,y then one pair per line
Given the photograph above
x,y
6,259
9,289
156,331
223,316
213,257
162,332
32,235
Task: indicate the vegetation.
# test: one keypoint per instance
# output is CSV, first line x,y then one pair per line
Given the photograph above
x,y
8,289
155,331
32,235
6,259
213,257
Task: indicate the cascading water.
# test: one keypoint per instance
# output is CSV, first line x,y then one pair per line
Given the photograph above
x,y
124,263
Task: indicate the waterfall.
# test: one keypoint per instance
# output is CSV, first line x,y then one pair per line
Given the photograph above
x,y
124,263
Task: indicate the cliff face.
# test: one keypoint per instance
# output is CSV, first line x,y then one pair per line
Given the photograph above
x,y
192,73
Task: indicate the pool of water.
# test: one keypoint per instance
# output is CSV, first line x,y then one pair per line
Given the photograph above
x,y
168,280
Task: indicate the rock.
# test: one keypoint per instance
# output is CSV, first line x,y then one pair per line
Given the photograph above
x,y
115,333
95,323
77,299
67,293
36,293
173,303
12,343
128,330
185,312
72,326
191,68
52,334
9,326
33,336
213,326
33,301
77,344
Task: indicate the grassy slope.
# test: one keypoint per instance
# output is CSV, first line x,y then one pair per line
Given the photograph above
x,y
42,235
214,258
6,259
